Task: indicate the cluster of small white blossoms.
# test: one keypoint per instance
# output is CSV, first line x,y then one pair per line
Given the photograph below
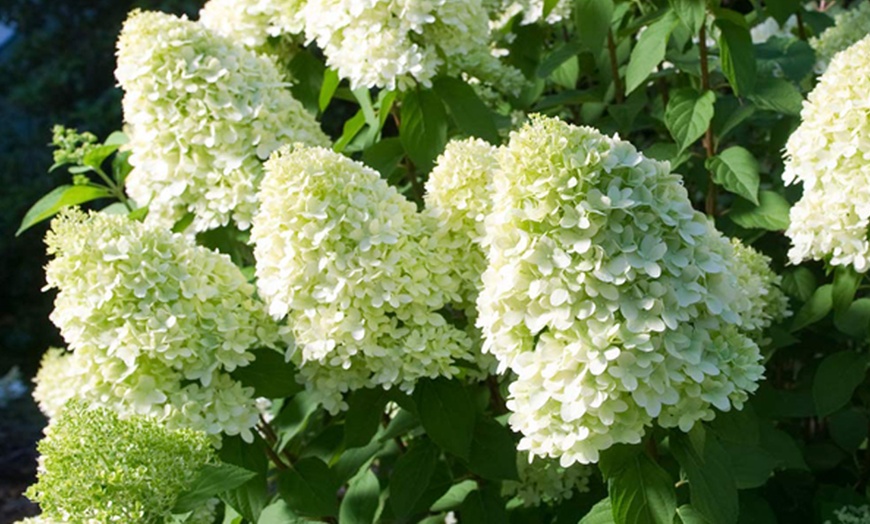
x,y
544,481
501,11
90,456
762,301
348,259
611,299
395,44
828,154
851,515
155,324
202,112
253,22
849,27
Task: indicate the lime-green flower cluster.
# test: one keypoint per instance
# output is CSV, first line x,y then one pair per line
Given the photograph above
x,y
202,112
827,154
849,27
348,259
155,323
613,301
458,201
544,481
70,146
97,468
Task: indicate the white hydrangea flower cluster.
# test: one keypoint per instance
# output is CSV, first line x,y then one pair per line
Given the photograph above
x,y
501,11
760,291
396,44
56,382
349,260
828,153
457,201
201,112
253,22
544,481
851,515
97,468
611,299
849,27
770,28
155,324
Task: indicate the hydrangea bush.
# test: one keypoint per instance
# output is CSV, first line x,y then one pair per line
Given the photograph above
x,y
466,260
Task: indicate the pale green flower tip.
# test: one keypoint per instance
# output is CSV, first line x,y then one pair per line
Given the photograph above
x,y
202,112
544,481
89,456
851,515
826,154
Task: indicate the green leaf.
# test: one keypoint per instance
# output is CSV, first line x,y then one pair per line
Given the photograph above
x,y
799,283
713,491
846,282
780,10
361,501
467,110
601,513
384,156
730,113
736,170
691,13
649,51
855,321
688,115
778,95
365,408
351,128
848,428
307,73
736,53
309,488
559,56
771,213
250,498
689,515
411,477
59,198
423,129
792,58
751,465
327,88
642,493
493,451
213,480
269,374
279,512
95,157
836,379
483,506
454,496
294,417
815,309
447,414
592,20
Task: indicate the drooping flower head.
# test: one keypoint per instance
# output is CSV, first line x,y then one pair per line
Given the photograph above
x,y
347,259
396,44
202,113
828,155
155,323
849,27
96,467
612,300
